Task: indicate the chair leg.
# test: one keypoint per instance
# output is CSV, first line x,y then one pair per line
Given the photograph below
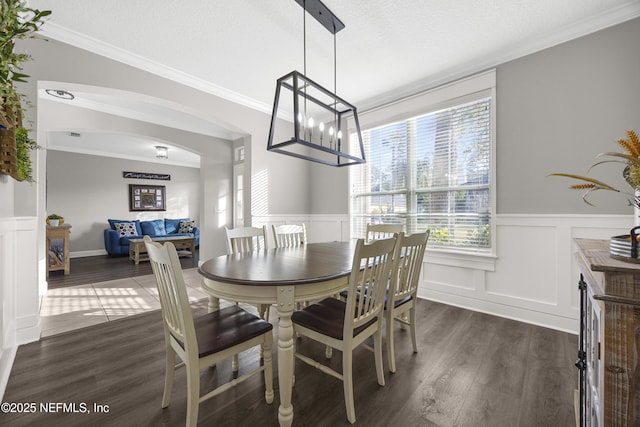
x,y
193,393
169,374
268,369
377,349
347,383
412,316
390,343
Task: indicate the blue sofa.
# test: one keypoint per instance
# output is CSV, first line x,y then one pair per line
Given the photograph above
x,y
117,236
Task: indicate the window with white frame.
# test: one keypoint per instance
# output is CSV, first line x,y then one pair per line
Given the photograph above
x,y
431,170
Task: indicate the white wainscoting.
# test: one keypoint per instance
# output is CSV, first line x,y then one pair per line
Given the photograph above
x,y
533,277
19,300
320,228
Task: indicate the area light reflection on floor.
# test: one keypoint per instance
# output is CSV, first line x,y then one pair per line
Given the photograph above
x,y
70,308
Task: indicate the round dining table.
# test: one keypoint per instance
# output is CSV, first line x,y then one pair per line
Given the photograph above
x,y
283,277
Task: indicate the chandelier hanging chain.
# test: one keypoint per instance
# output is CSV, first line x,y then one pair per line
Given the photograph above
x,y
306,136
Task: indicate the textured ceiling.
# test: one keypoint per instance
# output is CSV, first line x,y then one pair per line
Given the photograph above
x,y
389,49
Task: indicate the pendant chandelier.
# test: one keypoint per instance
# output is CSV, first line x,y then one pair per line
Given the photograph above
x,y
311,122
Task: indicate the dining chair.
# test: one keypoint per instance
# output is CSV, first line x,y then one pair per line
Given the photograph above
x,y
205,340
289,235
246,239
344,325
403,289
381,231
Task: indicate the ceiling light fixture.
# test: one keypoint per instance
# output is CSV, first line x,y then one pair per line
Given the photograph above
x,y
318,129
162,152
63,94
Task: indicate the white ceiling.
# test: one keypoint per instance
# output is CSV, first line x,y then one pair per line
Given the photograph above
x,y
389,49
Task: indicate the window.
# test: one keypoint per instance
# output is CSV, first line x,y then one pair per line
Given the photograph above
x,y
431,171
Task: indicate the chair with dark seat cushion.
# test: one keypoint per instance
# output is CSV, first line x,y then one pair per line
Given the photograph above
x,y
206,340
403,289
344,325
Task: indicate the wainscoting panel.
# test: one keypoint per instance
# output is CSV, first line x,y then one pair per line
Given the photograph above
x,y
19,293
535,276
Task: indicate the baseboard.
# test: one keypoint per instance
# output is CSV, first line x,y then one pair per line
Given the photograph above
x,y
6,363
81,254
537,318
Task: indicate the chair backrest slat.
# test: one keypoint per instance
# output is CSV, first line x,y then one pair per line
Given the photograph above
x,y
368,282
381,231
174,302
408,264
289,235
246,239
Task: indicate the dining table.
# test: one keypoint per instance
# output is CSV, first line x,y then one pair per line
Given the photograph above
x,y
282,277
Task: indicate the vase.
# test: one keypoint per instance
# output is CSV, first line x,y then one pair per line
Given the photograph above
x,y
54,222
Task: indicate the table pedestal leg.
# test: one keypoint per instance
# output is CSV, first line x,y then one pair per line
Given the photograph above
x,y
285,354
214,304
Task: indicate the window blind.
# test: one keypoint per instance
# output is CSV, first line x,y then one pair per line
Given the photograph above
x,y
432,172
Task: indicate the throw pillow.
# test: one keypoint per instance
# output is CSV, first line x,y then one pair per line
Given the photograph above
x,y
126,229
186,226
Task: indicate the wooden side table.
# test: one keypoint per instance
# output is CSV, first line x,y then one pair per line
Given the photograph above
x,y
54,262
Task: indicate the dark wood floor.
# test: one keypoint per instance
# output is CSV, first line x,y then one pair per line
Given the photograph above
x,y
93,269
472,369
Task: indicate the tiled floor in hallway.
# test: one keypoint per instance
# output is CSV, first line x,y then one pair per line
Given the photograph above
x,y
74,307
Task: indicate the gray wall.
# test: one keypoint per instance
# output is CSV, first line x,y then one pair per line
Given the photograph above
x,y
87,190
559,108
556,108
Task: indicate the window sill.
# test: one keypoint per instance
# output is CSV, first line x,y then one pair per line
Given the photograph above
x,y
486,262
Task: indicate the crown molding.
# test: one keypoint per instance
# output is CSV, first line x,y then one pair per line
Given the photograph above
x,y
579,29
65,35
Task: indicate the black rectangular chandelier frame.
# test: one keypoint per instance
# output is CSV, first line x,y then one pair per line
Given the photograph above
x,y
321,148
298,84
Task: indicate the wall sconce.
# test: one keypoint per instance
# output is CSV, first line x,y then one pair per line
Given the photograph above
x,y
162,152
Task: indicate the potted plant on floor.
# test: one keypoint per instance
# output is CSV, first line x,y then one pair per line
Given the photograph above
x,y
17,21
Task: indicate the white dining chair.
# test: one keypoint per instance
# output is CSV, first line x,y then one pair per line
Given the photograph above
x,y
205,340
344,325
289,235
381,231
403,289
246,239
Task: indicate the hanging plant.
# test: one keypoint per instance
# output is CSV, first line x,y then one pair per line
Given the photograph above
x,y
24,144
17,21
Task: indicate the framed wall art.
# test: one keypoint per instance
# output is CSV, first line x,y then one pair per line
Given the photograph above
x,y
147,197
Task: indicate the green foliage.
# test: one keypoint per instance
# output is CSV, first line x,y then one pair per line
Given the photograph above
x,y
439,235
23,145
54,216
17,21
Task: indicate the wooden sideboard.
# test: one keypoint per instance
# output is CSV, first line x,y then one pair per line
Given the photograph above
x,y
59,261
608,358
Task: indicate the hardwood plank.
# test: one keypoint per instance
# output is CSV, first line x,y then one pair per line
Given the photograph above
x,y
460,377
94,269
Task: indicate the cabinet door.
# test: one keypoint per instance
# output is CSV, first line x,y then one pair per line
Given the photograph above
x,y
593,375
